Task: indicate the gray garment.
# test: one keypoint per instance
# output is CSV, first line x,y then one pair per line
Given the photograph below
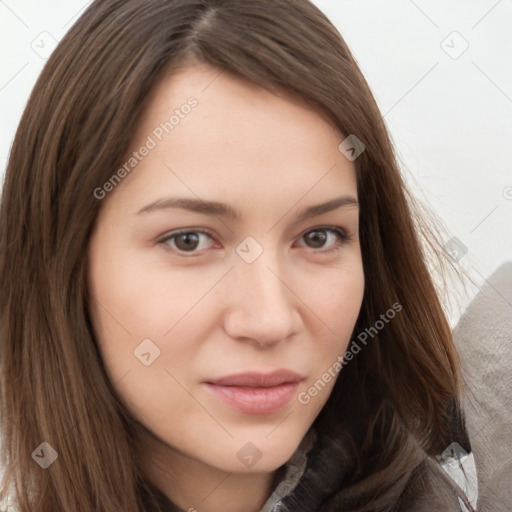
x,y
434,486
294,469
484,338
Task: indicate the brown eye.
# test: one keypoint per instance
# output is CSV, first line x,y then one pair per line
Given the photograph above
x,y
186,241
317,238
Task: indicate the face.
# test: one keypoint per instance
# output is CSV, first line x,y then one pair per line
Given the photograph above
x,y
219,295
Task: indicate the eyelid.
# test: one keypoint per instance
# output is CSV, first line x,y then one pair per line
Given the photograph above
x,y
178,232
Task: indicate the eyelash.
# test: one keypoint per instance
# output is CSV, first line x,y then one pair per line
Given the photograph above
x,y
342,235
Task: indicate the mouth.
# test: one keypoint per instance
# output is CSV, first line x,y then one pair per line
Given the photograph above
x,y
256,393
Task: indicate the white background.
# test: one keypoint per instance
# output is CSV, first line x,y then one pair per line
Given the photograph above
x,y
449,113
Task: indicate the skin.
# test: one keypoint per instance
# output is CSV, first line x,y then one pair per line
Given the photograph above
x,y
210,312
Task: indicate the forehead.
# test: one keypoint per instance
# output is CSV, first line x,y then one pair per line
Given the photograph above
x,y
238,140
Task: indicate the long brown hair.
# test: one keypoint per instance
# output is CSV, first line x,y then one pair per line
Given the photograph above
x,y
76,128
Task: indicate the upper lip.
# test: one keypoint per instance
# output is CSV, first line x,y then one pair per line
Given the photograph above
x,y
258,380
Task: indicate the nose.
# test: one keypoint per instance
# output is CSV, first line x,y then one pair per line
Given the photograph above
x,y
262,308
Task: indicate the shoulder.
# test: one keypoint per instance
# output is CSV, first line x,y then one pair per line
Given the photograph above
x,y
483,337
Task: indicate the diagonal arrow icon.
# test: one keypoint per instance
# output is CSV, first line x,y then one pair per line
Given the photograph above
x,y
249,249
146,352
351,147
45,455
249,455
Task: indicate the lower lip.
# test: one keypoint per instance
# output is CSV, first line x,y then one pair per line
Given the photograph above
x,y
255,400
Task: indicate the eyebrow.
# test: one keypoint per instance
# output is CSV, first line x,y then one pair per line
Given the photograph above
x,y
225,210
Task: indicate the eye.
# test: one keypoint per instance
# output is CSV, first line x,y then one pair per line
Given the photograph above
x,y
194,240
186,240
318,238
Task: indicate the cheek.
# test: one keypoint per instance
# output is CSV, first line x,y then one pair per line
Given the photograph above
x,y
144,297
336,297
132,310
342,303
336,302
133,301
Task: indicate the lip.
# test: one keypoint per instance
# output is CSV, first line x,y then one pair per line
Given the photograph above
x,y
256,393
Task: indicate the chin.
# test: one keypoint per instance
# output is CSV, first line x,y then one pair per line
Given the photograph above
x,y
262,453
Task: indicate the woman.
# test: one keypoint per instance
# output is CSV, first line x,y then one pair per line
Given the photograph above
x,y
178,335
